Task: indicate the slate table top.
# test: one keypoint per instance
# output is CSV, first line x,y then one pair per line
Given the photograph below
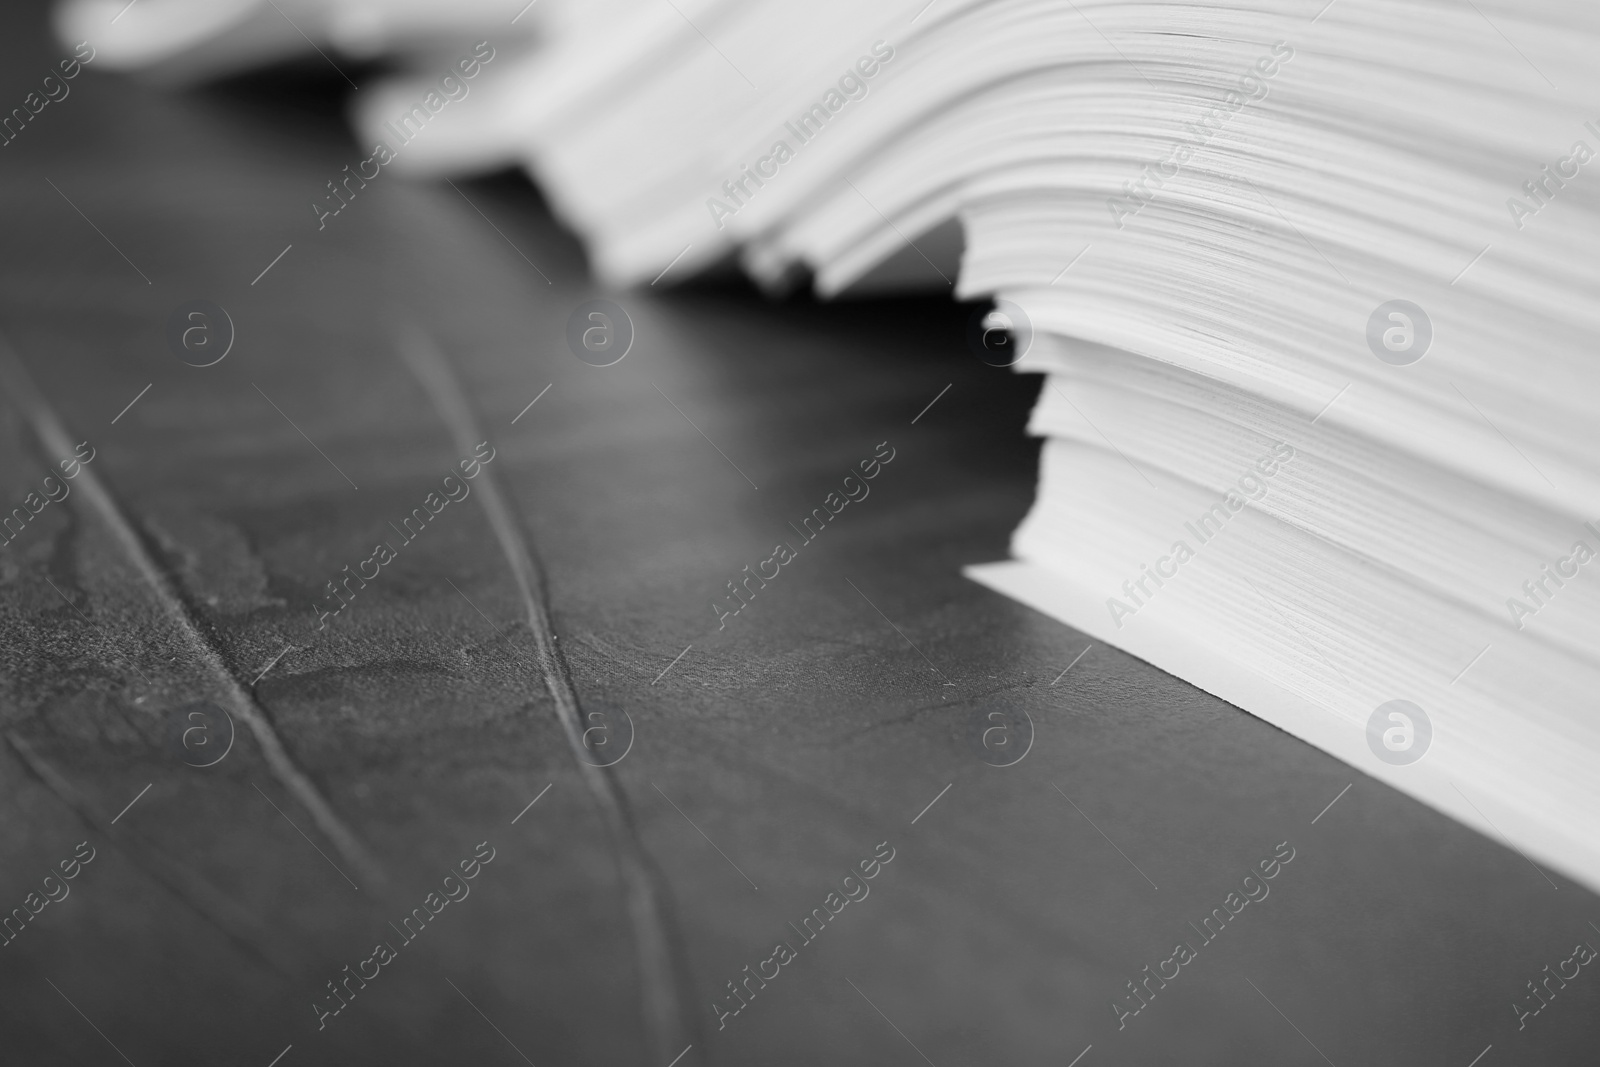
x,y
837,718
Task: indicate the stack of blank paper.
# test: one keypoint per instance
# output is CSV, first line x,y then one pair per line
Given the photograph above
x,y
1313,289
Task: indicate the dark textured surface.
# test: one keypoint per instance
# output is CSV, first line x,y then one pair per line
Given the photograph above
x,y
797,739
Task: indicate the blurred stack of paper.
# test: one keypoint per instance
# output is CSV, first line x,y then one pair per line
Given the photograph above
x,y
1313,286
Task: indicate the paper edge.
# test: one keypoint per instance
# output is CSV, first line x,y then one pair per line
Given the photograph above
x,y
1168,649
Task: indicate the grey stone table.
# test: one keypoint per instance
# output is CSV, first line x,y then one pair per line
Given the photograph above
x,y
770,837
